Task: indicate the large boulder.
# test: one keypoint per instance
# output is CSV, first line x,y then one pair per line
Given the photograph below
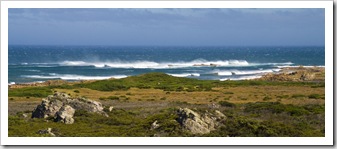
x,y
62,107
199,123
65,114
47,108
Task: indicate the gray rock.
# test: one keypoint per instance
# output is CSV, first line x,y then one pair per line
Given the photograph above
x,y
65,115
154,125
47,131
47,108
63,107
110,108
197,123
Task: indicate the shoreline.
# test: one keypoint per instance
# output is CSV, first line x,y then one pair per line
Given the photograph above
x,y
287,73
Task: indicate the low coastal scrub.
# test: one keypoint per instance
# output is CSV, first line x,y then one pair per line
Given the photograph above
x,y
146,106
277,108
272,119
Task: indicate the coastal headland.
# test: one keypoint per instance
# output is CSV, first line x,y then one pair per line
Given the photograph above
x,y
289,103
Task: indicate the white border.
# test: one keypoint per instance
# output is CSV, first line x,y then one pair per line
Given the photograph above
x,y
327,140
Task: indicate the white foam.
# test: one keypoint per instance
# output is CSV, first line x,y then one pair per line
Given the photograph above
x,y
74,77
241,78
160,65
195,74
180,75
224,73
11,83
184,74
157,65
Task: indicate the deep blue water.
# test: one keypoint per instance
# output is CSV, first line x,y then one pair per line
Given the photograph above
x,y
40,63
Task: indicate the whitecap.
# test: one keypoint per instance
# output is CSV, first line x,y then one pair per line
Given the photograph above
x,y
74,77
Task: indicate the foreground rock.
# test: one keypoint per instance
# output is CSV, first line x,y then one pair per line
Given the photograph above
x,y
197,123
62,107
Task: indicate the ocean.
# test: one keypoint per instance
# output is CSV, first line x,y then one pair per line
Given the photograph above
x,y
72,63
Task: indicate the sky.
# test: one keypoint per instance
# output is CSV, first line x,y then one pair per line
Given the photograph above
x,y
167,27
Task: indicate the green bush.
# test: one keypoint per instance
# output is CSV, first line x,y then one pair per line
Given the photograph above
x,y
226,104
267,98
228,93
314,96
298,96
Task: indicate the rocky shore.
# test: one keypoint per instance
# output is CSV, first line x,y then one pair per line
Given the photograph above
x,y
300,73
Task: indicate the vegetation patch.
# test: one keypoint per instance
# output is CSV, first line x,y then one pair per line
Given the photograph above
x,y
30,92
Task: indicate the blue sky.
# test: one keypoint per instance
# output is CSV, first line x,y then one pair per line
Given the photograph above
x,y
167,27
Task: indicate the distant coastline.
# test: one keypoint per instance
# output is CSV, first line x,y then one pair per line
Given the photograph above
x,y
289,73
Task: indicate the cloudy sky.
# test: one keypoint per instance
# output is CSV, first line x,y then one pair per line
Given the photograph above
x,y
167,27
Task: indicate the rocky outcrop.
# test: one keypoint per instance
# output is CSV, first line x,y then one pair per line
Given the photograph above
x,y
65,114
62,107
296,74
199,123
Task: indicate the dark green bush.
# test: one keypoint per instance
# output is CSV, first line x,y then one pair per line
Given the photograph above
x,y
267,98
314,96
226,104
298,96
228,93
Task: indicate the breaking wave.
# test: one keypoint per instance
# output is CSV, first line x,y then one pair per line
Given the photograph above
x,y
73,77
185,75
241,78
160,65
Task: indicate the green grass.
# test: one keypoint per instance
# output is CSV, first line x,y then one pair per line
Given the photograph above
x,y
30,92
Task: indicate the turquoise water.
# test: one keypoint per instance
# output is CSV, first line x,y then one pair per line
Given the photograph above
x,y
40,63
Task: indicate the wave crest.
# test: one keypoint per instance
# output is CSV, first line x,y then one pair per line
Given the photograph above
x,y
73,77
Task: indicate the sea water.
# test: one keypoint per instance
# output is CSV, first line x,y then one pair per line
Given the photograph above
x,y
41,63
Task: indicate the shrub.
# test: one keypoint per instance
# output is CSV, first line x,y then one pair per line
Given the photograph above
x,y
282,96
314,96
76,91
113,98
267,98
226,104
228,93
298,96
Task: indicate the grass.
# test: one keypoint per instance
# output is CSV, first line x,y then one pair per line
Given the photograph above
x,y
30,92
